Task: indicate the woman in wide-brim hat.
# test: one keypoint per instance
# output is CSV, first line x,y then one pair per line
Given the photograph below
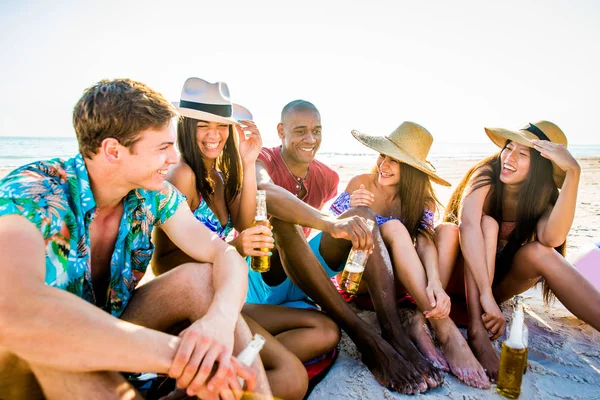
x,y
399,190
514,223
219,144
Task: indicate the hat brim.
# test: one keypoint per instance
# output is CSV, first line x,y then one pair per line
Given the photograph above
x,y
385,146
239,113
500,135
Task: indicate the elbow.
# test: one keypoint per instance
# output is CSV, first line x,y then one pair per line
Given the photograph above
x,y
552,242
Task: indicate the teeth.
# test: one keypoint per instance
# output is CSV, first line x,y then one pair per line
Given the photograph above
x,y
212,146
510,167
306,149
162,171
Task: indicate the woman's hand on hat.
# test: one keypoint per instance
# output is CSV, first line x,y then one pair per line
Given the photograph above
x,y
558,154
361,197
249,143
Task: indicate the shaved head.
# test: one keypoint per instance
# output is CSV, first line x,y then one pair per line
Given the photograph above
x,y
297,105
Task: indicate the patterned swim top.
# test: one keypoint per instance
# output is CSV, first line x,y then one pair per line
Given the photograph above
x,y
204,214
342,203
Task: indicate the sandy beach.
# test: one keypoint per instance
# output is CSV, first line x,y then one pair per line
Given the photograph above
x,y
564,352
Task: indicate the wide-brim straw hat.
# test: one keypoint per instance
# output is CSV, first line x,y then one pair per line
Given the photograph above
x,y
409,144
541,130
208,101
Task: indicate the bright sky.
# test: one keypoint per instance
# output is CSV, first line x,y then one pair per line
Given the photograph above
x,y
454,67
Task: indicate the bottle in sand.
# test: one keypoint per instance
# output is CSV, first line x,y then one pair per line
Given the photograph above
x,y
513,358
261,263
248,355
355,266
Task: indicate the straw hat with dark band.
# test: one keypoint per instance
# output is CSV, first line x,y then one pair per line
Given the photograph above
x,y
541,130
409,144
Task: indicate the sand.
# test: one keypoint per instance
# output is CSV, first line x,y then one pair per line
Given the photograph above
x,y
564,352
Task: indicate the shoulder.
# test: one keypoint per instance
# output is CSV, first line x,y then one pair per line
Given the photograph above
x,y
268,155
357,180
324,170
183,178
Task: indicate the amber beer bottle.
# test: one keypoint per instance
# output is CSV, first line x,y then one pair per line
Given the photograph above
x,y
261,263
513,357
355,266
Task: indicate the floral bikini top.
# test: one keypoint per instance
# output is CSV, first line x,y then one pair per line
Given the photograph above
x,y
204,214
342,203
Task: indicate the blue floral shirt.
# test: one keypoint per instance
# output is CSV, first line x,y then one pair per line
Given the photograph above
x,y
56,196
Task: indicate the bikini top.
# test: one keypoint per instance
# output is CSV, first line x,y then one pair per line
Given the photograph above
x,y
204,214
342,203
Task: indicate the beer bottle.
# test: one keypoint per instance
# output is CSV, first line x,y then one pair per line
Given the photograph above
x,y
355,266
513,357
261,263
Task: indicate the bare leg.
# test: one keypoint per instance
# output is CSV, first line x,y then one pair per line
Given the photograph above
x,y
286,374
303,268
448,247
478,336
306,333
535,260
412,275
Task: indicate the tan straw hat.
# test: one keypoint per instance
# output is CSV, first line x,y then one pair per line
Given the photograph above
x,y
541,130
409,144
209,102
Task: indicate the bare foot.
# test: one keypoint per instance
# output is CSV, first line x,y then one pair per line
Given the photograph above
x,y
463,363
407,349
482,349
389,368
419,333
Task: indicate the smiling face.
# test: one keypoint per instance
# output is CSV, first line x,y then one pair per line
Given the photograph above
x,y
211,138
145,165
388,170
300,133
515,159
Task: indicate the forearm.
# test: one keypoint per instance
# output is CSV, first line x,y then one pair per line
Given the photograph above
x,y
230,281
49,326
429,258
473,249
287,207
246,206
561,217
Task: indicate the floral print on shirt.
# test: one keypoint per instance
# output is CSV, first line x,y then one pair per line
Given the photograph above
x,y
56,196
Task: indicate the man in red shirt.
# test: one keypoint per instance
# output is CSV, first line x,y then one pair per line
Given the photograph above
x,y
297,187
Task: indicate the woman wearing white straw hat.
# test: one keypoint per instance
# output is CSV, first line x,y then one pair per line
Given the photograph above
x,y
216,154
514,223
399,191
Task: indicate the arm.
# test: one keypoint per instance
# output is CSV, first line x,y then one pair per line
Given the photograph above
x,y
553,227
287,207
49,326
438,298
243,207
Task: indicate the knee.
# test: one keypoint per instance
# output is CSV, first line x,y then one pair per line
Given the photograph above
x,y
196,277
489,225
329,332
447,231
296,378
394,231
537,255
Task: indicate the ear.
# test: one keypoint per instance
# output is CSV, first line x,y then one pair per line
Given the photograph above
x,y
110,148
280,131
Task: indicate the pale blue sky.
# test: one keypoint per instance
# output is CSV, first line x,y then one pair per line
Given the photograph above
x,y
453,67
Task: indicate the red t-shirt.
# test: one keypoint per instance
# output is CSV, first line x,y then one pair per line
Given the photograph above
x,y
321,182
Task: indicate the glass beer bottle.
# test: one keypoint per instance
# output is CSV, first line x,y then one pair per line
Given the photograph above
x,y
261,263
355,266
513,357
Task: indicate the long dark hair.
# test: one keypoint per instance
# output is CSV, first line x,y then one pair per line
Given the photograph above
x,y
416,194
537,192
228,163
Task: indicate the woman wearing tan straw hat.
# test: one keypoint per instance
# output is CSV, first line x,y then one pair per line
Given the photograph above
x,y
400,192
219,145
513,224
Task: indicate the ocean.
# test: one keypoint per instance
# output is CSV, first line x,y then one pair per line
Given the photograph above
x,y
16,151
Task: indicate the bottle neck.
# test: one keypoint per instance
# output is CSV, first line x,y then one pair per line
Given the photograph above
x,y
515,338
261,207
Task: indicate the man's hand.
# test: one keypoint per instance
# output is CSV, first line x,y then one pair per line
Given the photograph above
x,y
251,240
493,319
355,230
205,342
438,299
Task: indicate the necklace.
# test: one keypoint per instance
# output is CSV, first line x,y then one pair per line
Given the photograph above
x,y
395,209
296,178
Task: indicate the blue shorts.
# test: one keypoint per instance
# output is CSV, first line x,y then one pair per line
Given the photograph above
x,y
286,293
